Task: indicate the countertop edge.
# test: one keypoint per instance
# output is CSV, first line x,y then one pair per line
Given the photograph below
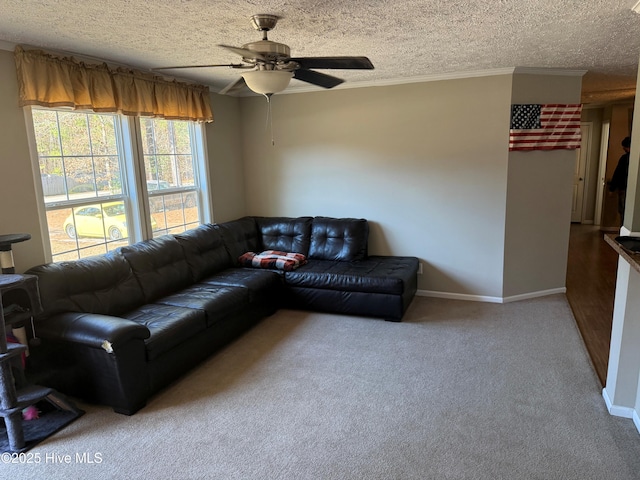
x,y
633,259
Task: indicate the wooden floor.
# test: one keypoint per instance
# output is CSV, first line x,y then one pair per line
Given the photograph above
x,y
591,279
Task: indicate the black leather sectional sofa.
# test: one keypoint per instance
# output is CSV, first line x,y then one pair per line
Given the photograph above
x,y
119,327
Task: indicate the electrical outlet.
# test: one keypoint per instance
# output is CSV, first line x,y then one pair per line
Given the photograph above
x,y
419,268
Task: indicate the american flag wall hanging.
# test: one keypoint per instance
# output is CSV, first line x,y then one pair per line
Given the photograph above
x,y
544,127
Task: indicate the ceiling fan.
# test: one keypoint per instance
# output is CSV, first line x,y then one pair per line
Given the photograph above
x,y
270,66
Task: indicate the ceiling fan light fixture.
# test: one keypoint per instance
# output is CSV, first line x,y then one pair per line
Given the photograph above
x,y
267,82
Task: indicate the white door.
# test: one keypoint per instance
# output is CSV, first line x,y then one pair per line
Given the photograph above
x,y
582,154
602,171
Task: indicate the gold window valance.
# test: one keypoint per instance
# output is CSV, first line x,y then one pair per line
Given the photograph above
x,y
50,81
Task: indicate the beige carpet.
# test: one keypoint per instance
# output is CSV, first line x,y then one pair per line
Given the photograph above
x,y
459,390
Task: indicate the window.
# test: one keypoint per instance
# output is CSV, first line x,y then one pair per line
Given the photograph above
x,y
99,194
170,166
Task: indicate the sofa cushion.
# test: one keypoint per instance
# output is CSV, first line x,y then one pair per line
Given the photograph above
x,y
285,234
217,302
204,251
375,275
102,284
240,236
263,285
159,265
169,326
343,239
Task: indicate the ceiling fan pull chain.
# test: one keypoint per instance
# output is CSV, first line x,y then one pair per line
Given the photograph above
x,y
269,125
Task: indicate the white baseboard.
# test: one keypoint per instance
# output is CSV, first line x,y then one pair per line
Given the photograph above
x,y
617,411
636,420
458,296
541,293
488,299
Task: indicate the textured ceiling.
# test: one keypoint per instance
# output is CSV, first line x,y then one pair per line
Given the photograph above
x,y
405,39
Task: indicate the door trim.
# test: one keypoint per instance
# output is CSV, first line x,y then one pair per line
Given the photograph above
x,y
602,170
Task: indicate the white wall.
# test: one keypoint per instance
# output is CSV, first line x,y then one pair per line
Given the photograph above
x,y
224,151
425,163
622,392
539,196
538,222
18,206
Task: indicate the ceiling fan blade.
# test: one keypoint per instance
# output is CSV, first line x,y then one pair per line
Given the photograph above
x,y
234,86
230,65
245,53
356,63
317,78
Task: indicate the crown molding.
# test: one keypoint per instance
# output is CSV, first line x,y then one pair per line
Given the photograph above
x,y
9,46
550,71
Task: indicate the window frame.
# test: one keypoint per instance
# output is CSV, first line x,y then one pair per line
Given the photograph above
x,y
200,171
134,189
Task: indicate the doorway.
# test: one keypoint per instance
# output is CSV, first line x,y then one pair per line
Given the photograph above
x,y
580,173
602,171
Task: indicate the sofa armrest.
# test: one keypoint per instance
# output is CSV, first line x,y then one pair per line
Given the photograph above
x,y
98,358
91,329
